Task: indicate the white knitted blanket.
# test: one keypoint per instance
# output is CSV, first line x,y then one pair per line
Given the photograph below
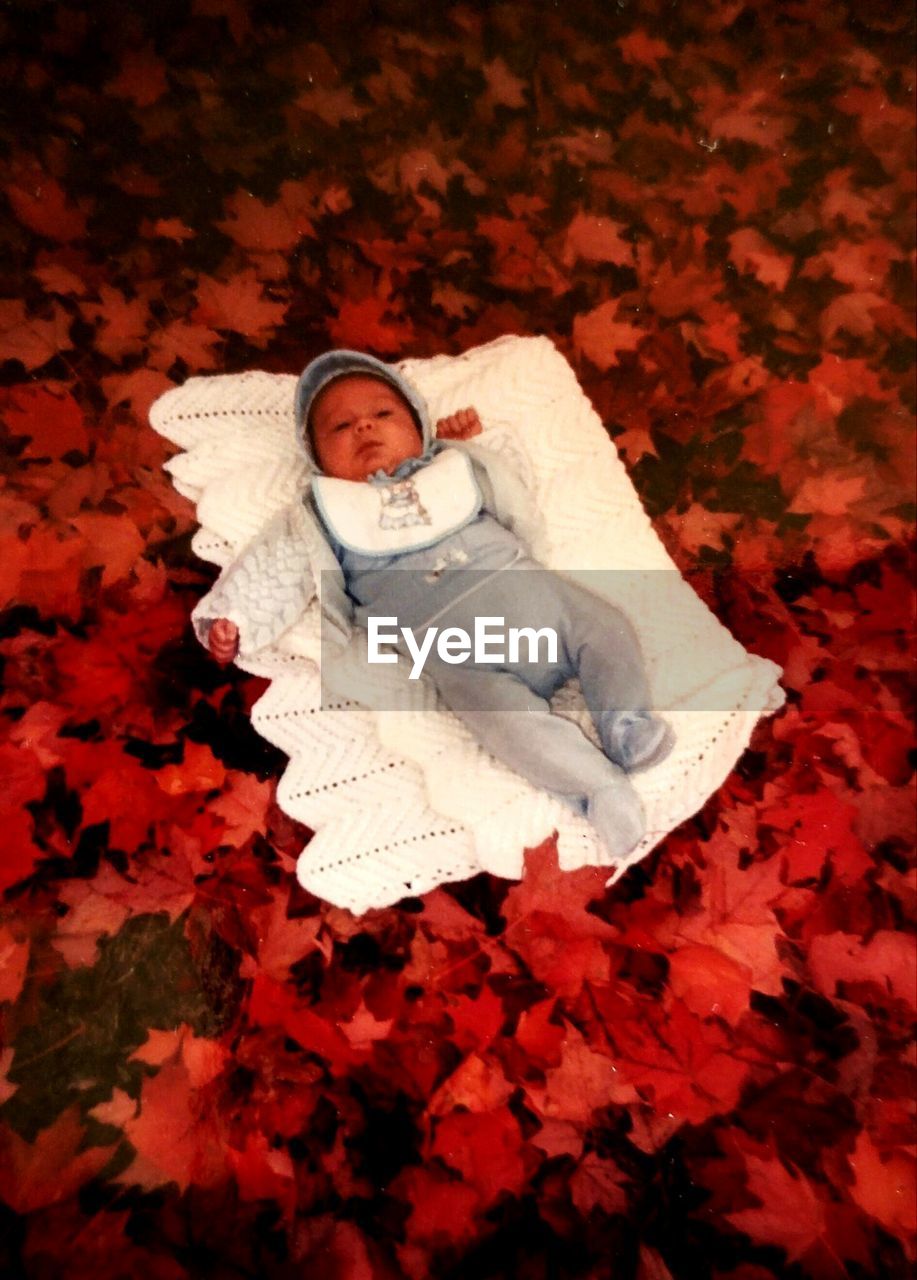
x,y
401,802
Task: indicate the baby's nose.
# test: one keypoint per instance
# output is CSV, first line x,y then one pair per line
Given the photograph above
x,y
363,422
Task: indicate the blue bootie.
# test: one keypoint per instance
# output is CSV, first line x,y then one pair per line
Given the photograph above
x,y
638,740
617,814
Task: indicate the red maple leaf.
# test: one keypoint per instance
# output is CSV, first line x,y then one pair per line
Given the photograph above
x,y
123,322
862,266
20,852
138,389
596,239
539,1035
238,304
14,957
175,1132
333,106
442,1208
93,914
681,282
180,340
686,1066
854,206
709,982
791,1215
518,259
44,565
585,1080
750,117
698,526
737,916
547,922
885,1186
453,301
476,1019
32,340
281,941
24,782
641,49
816,825
636,442
273,1004
751,252
49,1169
264,1172
111,542
484,1147
266,227
204,1059
503,87
477,1084
50,418
199,770
58,277
242,808
889,960
373,323
114,788
860,314
599,1182
41,204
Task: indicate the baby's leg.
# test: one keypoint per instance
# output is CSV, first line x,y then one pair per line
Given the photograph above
x,y
606,654
518,727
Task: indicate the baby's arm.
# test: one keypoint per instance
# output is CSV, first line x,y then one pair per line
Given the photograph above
x,y
461,425
265,590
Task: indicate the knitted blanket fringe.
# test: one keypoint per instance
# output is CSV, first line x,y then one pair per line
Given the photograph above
x,y
401,803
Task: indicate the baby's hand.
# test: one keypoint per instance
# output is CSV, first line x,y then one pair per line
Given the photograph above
x,y
459,426
224,640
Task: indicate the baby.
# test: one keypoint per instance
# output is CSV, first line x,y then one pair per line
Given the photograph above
x,y
421,524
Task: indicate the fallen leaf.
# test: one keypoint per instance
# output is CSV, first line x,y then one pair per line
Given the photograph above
x,y
791,1213
601,334
33,340
50,1169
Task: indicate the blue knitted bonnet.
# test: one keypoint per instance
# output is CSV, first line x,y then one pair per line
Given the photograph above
x,y
336,364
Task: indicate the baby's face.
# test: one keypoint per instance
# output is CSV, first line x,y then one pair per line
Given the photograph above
x,y
361,424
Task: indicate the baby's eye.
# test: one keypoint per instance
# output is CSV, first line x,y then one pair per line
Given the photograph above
x,y
383,413
342,426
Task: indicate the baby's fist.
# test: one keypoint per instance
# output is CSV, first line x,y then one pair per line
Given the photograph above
x,y
459,426
224,640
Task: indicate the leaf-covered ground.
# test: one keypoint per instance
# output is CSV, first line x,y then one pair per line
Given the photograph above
x,y
705,1072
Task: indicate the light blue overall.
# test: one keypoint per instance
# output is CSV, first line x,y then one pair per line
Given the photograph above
x,y
483,570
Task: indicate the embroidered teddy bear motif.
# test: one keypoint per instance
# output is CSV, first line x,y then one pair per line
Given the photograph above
x,y
401,506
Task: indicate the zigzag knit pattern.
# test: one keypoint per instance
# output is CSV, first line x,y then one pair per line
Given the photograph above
x,y
403,802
